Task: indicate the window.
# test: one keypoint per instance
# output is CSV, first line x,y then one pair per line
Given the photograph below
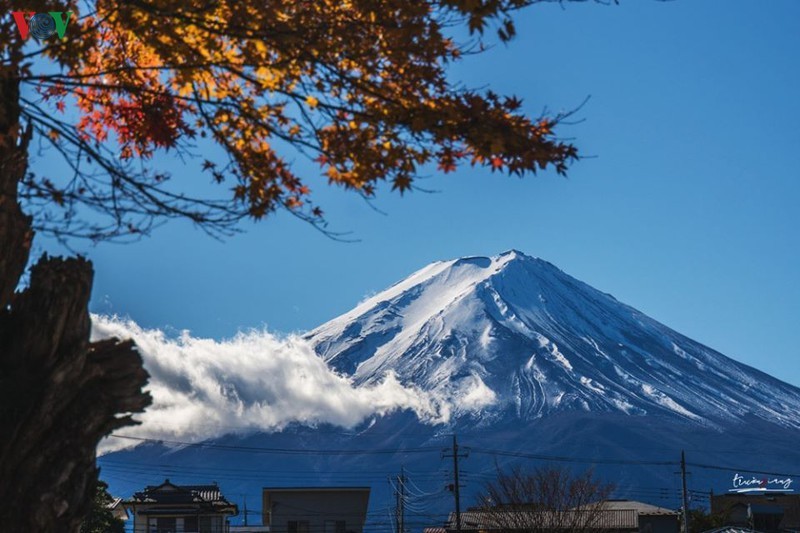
x,y
165,525
190,524
335,526
210,524
297,526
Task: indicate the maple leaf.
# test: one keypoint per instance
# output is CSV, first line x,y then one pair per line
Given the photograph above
x,y
401,183
513,103
367,89
447,167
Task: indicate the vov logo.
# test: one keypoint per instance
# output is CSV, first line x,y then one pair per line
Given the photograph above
x,y
41,25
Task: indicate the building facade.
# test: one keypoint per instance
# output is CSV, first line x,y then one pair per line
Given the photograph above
x,y
170,508
612,516
770,512
315,509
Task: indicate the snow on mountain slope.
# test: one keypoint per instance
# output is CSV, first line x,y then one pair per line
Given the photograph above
x,y
513,336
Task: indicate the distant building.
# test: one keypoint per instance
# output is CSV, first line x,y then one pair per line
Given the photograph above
x,y
617,516
170,508
315,509
117,508
769,512
648,518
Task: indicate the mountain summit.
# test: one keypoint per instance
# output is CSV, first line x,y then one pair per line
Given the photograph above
x,y
526,364
514,337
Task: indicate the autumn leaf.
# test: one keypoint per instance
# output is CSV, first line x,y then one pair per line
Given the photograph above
x,y
364,92
401,183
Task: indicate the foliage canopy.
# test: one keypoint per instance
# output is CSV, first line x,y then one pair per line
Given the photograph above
x,y
100,518
358,86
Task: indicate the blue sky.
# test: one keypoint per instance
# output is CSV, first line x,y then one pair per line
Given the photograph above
x,y
688,209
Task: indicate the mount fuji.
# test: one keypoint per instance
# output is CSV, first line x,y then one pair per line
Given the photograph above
x,y
525,364
513,336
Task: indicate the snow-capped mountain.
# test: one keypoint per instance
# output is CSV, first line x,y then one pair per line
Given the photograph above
x,y
513,335
526,364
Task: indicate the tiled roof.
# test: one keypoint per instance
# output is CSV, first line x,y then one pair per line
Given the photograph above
x,y
639,507
731,529
113,504
615,514
521,519
207,496
209,493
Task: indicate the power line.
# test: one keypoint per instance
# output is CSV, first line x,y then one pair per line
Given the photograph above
x,y
565,459
287,451
103,461
742,469
430,449
244,473
113,465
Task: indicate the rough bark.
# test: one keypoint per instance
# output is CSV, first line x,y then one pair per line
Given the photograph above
x,y
15,228
59,393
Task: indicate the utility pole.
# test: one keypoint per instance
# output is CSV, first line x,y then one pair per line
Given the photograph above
x,y
456,487
402,480
400,501
684,494
397,510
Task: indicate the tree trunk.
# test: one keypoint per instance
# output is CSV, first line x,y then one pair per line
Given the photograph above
x,y
59,393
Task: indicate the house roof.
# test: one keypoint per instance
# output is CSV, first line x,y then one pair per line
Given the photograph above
x,y
731,529
614,514
640,507
501,519
117,508
206,497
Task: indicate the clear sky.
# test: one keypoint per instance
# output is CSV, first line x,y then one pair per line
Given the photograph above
x,y
688,209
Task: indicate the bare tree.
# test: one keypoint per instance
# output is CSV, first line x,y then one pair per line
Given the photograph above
x,y
544,499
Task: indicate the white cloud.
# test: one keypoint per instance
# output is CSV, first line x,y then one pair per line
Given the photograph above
x,y
475,395
203,388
